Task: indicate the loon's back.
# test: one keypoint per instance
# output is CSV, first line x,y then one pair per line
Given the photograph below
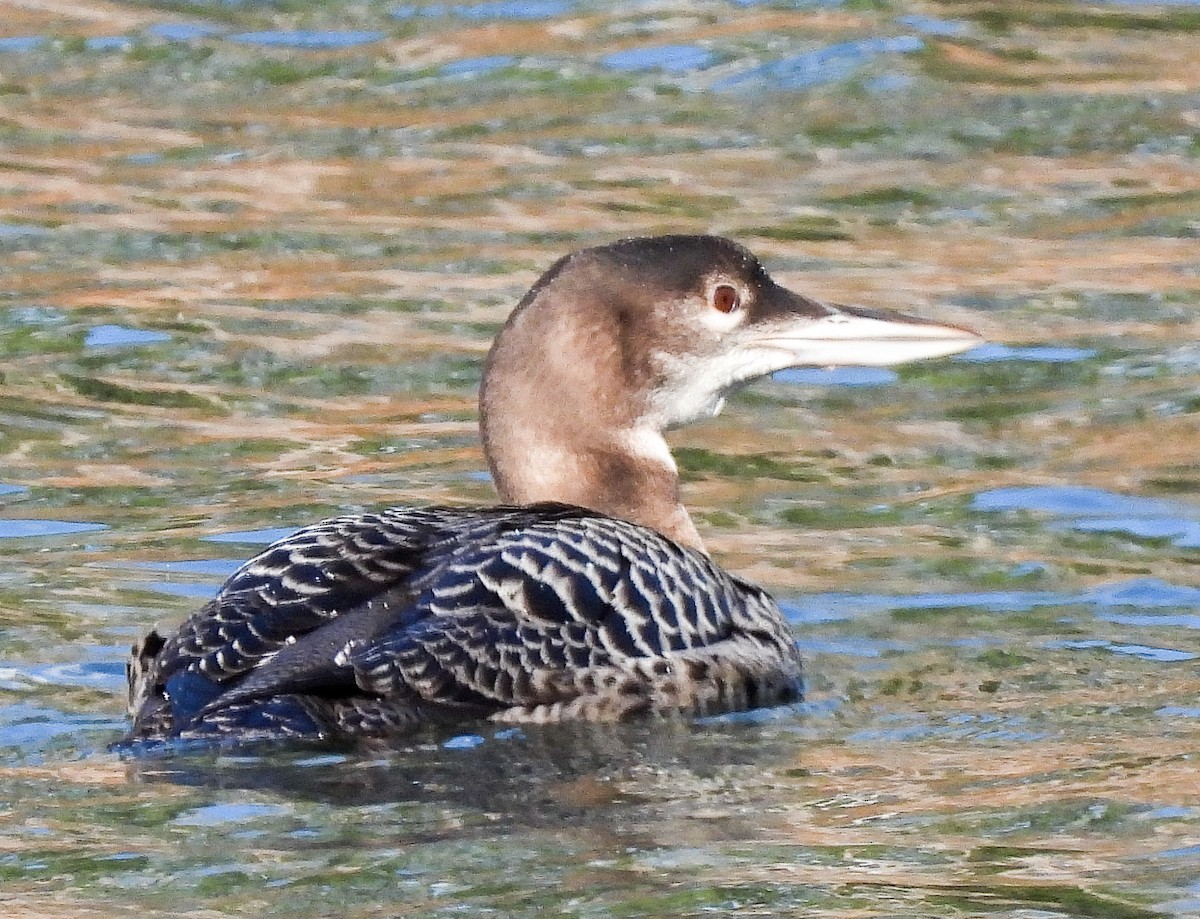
x,y
374,624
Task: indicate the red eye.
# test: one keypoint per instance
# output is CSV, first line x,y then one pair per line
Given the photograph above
x,y
726,298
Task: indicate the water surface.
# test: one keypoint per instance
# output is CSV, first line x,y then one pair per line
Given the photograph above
x,y
253,255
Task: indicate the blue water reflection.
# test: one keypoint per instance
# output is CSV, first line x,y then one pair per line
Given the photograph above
x,y
794,4
859,647
978,726
105,336
1182,533
1178,621
221,814
931,25
308,39
667,58
464,742
1178,711
815,68
1073,500
190,591
20,230
29,728
1098,511
834,607
1144,592
992,353
108,43
253,537
23,42
106,673
1145,652
1147,593
221,567
209,572
181,31
22,529
528,10
837,376
477,66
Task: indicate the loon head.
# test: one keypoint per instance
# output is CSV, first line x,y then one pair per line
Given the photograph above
x,y
615,344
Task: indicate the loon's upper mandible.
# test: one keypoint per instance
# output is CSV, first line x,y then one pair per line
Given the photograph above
x,y
588,594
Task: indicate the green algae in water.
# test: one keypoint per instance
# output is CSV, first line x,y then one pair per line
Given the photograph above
x,y
279,72
1073,901
695,463
826,517
722,520
1000,659
937,64
105,391
23,340
1054,124
1054,14
884,196
810,229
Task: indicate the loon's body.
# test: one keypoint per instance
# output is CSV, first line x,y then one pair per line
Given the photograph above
x,y
589,595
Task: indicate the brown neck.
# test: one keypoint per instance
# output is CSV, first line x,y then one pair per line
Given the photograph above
x,y
631,475
565,417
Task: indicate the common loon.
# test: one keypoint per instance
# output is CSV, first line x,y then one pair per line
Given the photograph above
x,y
588,594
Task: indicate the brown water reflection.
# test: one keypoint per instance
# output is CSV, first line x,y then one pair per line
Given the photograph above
x,y
1003,714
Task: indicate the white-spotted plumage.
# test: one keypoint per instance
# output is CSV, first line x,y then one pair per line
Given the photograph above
x,y
504,608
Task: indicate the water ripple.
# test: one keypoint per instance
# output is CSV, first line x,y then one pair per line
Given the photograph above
x,y
668,58
108,43
181,31
1143,593
255,537
1145,652
22,529
222,567
837,376
981,726
520,10
108,336
477,66
307,39
30,727
931,25
1068,500
238,812
100,674
994,353
814,68
1101,511
23,42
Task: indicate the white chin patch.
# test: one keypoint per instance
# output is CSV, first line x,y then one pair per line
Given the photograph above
x,y
702,384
